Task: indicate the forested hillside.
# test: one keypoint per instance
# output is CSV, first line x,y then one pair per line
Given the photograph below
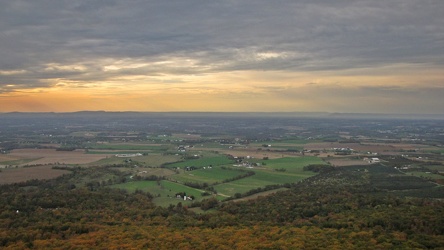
x,y
341,208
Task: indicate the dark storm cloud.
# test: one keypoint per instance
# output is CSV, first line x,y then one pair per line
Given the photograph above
x,y
217,35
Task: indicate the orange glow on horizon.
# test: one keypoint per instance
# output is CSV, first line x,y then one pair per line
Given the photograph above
x,y
271,91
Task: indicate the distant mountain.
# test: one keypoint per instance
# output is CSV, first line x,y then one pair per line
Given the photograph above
x,y
227,114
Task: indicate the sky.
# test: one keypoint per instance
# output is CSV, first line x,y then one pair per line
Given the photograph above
x,y
362,56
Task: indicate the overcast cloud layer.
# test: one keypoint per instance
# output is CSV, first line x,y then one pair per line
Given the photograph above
x,y
47,43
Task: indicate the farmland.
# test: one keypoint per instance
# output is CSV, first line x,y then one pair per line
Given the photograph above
x,y
233,161
14,175
87,179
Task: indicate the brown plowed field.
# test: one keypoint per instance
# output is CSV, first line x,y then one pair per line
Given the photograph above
x,y
50,156
14,175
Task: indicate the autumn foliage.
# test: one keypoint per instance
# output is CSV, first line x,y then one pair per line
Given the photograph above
x,y
334,210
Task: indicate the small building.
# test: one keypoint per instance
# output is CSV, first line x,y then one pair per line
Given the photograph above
x,y
375,160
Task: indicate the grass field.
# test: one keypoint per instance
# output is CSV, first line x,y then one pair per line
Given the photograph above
x,y
262,178
208,175
426,175
293,164
164,191
435,167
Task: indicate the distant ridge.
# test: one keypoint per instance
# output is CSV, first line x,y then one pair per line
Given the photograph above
x,y
335,115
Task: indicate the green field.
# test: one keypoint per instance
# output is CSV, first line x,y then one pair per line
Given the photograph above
x,y
426,175
163,191
275,172
208,175
293,164
435,167
262,178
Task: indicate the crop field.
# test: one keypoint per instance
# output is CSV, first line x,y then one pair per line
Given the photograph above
x,y
13,175
8,160
51,156
208,175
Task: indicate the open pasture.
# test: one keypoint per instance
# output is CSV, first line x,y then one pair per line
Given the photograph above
x,y
14,175
293,164
262,178
208,175
163,191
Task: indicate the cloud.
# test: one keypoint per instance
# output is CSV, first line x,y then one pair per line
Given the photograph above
x,y
77,43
